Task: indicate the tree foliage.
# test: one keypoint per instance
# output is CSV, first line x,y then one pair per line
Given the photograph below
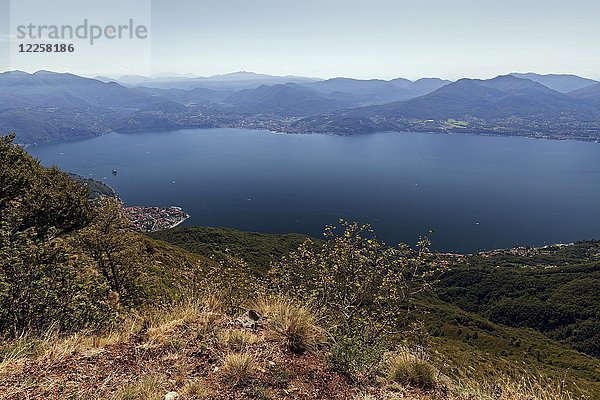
x,y
557,293
114,249
41,284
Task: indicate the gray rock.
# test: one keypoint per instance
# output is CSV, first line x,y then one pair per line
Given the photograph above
x,y
250,319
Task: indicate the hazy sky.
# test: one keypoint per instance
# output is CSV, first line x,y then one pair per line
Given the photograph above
x,y
374,38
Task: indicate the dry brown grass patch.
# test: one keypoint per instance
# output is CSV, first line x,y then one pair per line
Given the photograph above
x,y
526,388
195,390
146,388
295,324
412,368
238,368
163,325
237,339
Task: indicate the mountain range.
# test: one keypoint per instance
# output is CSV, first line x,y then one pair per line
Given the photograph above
x,y
47,106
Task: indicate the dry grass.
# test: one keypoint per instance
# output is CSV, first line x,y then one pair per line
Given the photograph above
x,y
195,390
413,369
54,347
18,349
59,349
161,326
143,389
364,396
293,323
527,388
49,349
238,368
165,349
182,347
122,333
237,339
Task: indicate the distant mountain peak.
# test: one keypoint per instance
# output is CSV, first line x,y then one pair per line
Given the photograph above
x,y
563,83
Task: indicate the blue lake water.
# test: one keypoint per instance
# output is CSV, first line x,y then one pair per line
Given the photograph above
x,y
474,192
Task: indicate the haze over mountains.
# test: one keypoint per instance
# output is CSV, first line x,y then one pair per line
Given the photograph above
x,y
47,106
560,83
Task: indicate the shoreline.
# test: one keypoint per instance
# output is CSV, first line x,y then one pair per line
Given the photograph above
x,y
283,132
180,222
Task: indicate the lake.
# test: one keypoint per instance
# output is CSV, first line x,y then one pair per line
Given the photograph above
x,y
474,192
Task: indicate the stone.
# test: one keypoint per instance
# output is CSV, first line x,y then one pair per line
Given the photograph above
x,y
171,396
250,319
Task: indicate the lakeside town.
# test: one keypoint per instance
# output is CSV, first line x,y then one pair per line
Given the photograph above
x,y
151,219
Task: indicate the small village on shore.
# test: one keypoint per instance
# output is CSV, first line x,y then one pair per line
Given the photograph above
x,y
151,219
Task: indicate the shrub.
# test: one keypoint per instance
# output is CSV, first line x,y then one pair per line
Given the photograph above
x,y
355,281
352,356
42,283
43,201
232,280
117,252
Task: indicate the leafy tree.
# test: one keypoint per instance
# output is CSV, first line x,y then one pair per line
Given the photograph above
x,y
117,252
43,199
41,284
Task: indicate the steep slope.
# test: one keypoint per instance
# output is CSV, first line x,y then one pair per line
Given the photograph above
x,y
50,89
48,106
588,94
460,333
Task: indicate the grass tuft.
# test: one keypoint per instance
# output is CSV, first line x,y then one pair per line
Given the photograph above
x,y
237,339
143,389
195,389
412,369
238,368
293,323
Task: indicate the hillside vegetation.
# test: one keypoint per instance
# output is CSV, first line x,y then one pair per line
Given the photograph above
x,y
91,309
455,320
555,290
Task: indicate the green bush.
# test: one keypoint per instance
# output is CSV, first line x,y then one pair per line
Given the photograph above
x,y
353,356
42,283
359,284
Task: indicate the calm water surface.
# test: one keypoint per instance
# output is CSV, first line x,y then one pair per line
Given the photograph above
x,y
474,192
